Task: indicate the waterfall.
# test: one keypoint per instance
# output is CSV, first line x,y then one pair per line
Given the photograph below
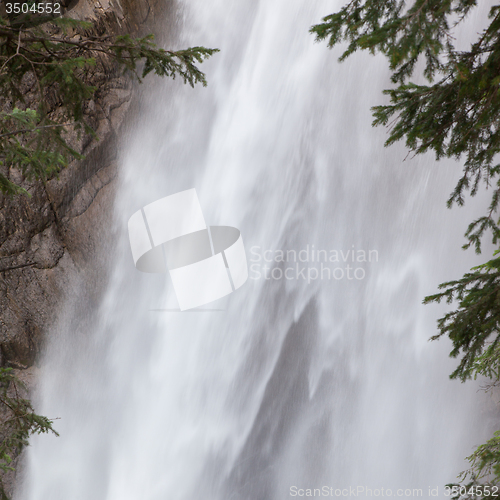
x,y
287,383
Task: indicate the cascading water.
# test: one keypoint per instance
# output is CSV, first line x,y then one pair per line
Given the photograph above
x,y
295,382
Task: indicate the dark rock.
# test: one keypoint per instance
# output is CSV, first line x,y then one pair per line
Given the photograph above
x,y
49,238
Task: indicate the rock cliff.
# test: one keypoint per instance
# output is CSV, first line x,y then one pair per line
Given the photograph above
x,y
48,238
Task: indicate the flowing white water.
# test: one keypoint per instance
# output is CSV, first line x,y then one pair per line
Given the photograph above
x,y
328,383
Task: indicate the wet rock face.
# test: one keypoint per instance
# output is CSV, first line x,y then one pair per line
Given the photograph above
x,y
54,235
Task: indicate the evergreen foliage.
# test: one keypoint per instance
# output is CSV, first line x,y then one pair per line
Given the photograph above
x,y
474,326
482,479
456,115
19,421
459,114
57,54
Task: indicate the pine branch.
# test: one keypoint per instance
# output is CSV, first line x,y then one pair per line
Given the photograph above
x,y
456,117
59,63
